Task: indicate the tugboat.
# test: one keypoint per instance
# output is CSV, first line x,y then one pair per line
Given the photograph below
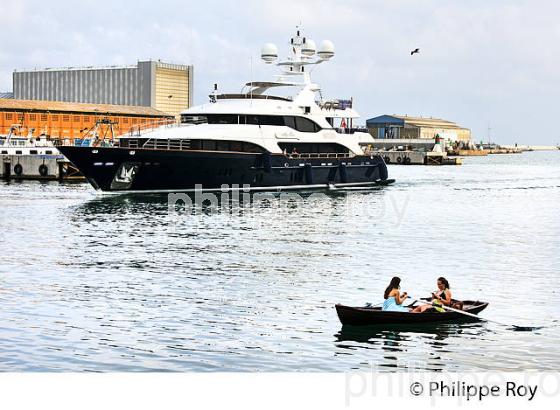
x,y
253,140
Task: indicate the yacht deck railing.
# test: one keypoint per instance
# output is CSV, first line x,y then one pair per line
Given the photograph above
x,y
138,130
183,144
319,155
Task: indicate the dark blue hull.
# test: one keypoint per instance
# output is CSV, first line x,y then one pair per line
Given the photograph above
x,y
125,170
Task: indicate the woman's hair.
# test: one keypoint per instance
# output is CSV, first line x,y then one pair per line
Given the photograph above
x,y
395,284
444,281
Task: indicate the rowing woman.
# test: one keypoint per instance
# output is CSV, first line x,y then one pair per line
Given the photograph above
x,y
441,297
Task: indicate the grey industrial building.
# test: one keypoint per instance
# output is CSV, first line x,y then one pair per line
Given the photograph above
x,y
163,86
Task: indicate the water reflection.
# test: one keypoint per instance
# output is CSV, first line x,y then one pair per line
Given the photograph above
x,y
232,204
396,342
111,204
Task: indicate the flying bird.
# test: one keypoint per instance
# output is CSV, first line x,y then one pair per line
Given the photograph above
x,y
415,51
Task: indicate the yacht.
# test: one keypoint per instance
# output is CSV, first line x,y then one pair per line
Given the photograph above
x,y
255,140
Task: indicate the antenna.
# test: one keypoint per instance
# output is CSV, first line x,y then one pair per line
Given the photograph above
x,y
304,52
251,90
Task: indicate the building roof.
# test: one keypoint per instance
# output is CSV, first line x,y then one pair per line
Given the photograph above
x,y
159,63
401,120
58,106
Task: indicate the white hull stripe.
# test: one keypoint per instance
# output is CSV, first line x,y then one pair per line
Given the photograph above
x,y
249,189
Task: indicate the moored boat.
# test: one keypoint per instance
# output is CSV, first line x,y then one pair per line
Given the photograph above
x,y
255,140
359,316
17,144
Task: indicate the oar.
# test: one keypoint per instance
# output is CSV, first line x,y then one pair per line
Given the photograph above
x,y
510,327
413,302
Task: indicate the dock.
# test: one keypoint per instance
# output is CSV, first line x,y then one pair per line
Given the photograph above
x,y
411,157
38,167
409,152
469,152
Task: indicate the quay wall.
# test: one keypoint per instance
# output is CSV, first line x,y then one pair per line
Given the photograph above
x,y
36,167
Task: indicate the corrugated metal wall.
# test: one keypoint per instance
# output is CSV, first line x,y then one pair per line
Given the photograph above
x,y
172,89
121,86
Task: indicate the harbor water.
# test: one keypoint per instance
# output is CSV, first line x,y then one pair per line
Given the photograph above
x,y
92,283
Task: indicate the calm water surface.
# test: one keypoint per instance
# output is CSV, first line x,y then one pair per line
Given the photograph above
x,y
105,283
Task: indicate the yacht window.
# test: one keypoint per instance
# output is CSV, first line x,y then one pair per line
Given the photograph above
x,y
305,125
276,120
4,152
208,145
33,151
290,122
223,119
272,120
236,146
194,119
210,119
222,145
219,145
249,147
301,124
249,119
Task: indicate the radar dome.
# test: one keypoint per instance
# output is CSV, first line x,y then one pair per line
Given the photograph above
x,y
308,48
269,53
326,51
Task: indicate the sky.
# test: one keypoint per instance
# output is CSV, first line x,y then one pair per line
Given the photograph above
x,y
491,66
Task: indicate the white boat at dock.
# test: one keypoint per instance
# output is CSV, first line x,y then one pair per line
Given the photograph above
x,y
15,144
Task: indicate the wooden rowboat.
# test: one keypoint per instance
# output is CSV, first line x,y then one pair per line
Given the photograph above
x,y
359,316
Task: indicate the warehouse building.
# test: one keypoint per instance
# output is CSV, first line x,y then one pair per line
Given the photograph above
x,y
161,86
404,127
69,121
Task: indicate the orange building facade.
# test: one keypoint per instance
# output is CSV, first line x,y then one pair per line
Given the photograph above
x,y
69,121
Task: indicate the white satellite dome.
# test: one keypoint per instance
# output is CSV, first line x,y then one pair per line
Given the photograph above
x,y
326,51
309,47
269,53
